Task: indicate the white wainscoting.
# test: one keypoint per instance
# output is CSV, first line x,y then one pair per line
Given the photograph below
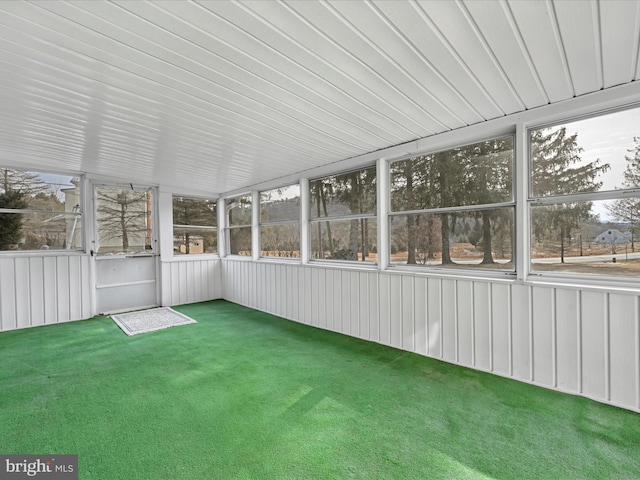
x,y
585,342
190,280
42,290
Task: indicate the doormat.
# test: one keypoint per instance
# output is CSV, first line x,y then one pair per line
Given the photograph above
x,y
151,320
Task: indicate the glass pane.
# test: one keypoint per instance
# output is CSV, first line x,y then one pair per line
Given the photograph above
x,y
483,238
193,211
35,231
124,220
477,174
346,194
240,241
239,210
192,241
354,240
280,240
280,204
38,191
594,154
587,237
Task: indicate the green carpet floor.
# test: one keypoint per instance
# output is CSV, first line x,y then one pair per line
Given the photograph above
x,y
246,395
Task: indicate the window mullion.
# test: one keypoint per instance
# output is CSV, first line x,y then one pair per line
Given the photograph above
x,y
522,251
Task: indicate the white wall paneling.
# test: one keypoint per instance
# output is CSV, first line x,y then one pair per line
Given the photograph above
x,y
42,290
190,281
580,341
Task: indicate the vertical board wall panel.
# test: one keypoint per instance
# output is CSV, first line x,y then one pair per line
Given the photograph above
x,y
191,289
36,291
262,287
577,341
355,303
449,327
190,281
434,317
42,290
374,314
270,288
291,278
322,298
64,293
314,296
281,290
365,313
408,302
306,292
50,292
501,329
182,282
482,325
623,366
345,304
593,344
23,295
384,309
86,291
420,315
543,347
520,332
567,336
464,323
337,299
395,310
175,283
7,294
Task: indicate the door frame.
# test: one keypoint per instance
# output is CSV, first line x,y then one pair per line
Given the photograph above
x,y
93,245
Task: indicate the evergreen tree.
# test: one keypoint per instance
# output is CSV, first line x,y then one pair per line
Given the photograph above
x,y
488,179
194,212
557,169
16,191
628,209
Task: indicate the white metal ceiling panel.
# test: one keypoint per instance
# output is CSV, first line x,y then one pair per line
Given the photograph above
x,y
579,29
535,22
619,45
498,29
457,25
216,96
434,51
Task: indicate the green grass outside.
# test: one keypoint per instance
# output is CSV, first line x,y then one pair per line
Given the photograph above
x,y
246,395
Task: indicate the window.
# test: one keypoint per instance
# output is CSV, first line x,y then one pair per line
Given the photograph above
x,y
454,208
194,226
585,195
39,211
239,225
280,222
343,217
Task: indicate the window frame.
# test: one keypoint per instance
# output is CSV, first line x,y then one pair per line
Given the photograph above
x,y
585,279
196,227
277,223
314,220
459,270
79,227
228,227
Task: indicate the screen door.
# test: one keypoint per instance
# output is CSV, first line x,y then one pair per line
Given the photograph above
x,y
124,248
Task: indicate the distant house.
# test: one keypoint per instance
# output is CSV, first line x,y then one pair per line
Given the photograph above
x,y
613,236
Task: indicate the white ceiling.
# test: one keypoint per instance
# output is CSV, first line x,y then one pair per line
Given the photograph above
x,y
216,96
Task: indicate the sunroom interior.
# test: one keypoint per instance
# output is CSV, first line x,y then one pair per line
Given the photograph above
x,y
458,179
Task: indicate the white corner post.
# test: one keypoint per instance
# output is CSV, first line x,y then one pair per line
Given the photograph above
x,y
305,226
382,166
522,252
255,225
